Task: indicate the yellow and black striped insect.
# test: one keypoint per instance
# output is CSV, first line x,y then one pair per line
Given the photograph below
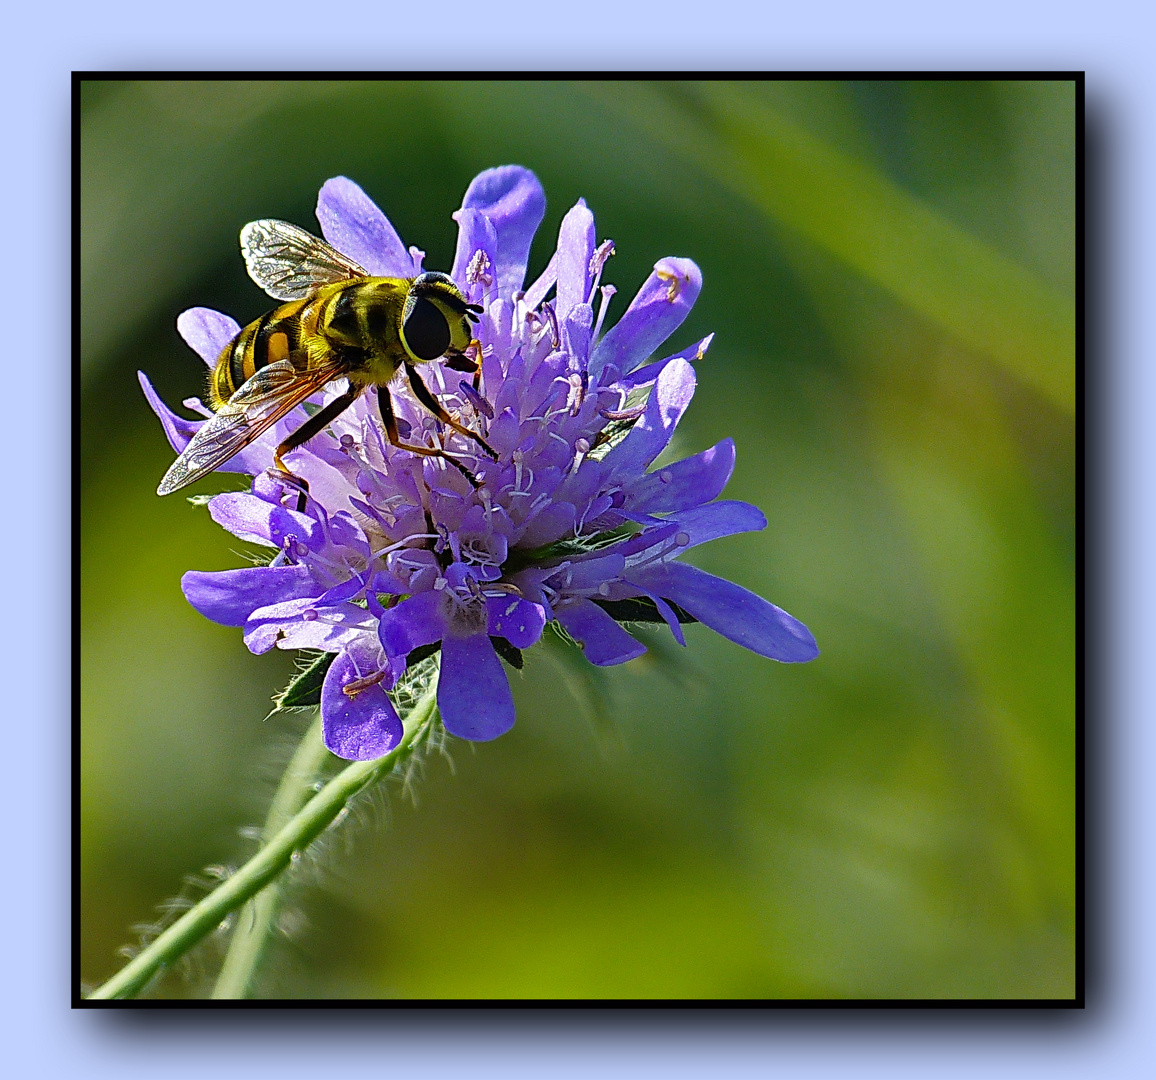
x,y
338,323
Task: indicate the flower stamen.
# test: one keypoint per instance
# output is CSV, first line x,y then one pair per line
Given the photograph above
x,y
478,269
597,262
674,284
632,413
608,292
356,686
555,335
480,404
577,382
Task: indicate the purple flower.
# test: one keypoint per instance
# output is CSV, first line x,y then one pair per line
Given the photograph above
x,y
395,556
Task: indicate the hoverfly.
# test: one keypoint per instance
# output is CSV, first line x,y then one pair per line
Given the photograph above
x,y
338,323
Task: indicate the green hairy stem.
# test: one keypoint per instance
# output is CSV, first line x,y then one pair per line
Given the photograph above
x,y
256,918
294,835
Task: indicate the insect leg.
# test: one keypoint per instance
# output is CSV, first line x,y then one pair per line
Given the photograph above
x,y
478,369
385,407
304,433
421,391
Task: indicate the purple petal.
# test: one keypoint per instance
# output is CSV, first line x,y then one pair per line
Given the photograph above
x,y
645,540
577,328
352,223
366,725
730,610
229,597
420,620
687,483
253,459
473,693
513,199
554,521
653,430
689,528
647,374
475,233
288,626
505,431
177,429
575,246
587,572
346,590
261,522
659,309
520,622
713,521
536,293
667,612
384,581
603,641
207,332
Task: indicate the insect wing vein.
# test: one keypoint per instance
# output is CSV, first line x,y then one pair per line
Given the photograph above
x,y
260,402
290,263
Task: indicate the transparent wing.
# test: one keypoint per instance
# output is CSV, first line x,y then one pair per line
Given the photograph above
x,y
290,263
258,404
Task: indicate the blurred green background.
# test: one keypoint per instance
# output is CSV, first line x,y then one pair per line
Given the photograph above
x,y
890,270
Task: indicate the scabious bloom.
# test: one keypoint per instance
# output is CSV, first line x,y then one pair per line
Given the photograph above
x,y
395,556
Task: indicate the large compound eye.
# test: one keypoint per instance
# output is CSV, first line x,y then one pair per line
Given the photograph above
x,y
427,334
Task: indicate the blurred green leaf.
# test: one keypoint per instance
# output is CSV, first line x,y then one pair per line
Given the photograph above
x,y
857,214
587,683
305,687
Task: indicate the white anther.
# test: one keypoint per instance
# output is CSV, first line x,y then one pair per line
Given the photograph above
x,y
607,292
477,269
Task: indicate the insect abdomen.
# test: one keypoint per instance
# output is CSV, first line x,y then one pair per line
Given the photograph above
x,y
264,341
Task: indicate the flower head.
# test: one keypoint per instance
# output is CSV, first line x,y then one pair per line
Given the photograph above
x,y
394,555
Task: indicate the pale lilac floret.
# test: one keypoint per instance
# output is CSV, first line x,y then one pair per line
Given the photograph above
x,y
396,555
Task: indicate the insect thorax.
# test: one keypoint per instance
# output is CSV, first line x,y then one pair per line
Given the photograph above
x,y
360,320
